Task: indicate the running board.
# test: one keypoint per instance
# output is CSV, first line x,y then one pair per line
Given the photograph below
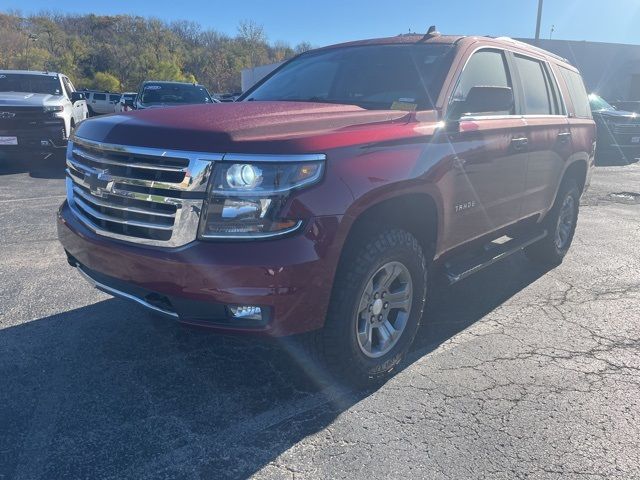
x,y
461,269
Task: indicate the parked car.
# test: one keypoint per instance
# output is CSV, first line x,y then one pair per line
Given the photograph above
x,y
618,130
324,201
101,102
627,105
229,97
126,102
38,110
154,94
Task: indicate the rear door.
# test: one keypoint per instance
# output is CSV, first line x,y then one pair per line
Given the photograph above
x,y
489,157
548,132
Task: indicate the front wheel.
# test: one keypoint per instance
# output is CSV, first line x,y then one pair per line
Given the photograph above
x,y
376,308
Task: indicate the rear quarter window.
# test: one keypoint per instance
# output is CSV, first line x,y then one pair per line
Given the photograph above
x,y
577,93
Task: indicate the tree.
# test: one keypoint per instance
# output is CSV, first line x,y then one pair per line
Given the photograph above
x,y
170,71
120,51
106,81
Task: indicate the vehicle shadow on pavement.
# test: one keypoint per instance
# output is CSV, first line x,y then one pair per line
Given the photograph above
x,y
37,167
615,160
109,391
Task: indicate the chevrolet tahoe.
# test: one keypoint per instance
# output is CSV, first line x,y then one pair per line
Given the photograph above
x,y
325,201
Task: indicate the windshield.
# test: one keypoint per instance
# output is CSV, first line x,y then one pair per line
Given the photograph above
x,y
32,83
172,93
597,103
379,77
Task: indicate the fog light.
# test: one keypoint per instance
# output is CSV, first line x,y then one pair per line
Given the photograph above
x,y
246,312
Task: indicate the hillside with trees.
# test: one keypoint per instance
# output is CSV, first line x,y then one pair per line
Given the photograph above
x,y
116,53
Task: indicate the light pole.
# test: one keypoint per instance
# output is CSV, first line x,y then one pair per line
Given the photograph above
x,y
32,38
539,19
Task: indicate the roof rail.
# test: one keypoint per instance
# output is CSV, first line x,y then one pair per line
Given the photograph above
x,y
533,47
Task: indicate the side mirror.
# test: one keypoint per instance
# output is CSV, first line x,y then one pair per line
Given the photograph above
x,y
484,100
77,96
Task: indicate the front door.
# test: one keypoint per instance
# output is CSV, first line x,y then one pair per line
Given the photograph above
x,y
489,154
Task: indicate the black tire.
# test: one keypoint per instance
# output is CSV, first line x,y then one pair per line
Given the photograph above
x,y
552,248
336,345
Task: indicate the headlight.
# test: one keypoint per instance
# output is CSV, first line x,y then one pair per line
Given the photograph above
x,y
53,108
245,199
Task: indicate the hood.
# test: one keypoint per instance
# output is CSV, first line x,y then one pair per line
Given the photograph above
x,y
26,99
617,115
264,127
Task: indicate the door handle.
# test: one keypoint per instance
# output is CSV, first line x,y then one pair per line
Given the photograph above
x,y
520,143
564,136
459,163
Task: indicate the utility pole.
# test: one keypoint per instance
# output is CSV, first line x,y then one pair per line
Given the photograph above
x,y
33,38
539,20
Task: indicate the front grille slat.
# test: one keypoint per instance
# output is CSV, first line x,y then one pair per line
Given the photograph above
x,y
108,218
122,163
138,194
121,178
114,206
627,128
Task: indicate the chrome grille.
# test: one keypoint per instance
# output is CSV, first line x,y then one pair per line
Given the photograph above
x,y
627,128
137,194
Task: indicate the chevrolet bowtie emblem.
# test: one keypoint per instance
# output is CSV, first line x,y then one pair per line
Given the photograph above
x,y
99,182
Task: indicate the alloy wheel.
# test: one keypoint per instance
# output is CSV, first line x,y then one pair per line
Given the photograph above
x,y
384,309
566,222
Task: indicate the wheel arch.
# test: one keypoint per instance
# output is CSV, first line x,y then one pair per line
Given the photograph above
x,y
416,213
577,171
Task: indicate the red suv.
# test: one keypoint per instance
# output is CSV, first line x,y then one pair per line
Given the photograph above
x,y
327,198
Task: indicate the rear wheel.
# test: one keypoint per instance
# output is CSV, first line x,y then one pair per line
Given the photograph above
x,y
376,308
560,224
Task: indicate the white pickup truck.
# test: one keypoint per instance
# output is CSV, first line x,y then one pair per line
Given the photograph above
x,y
38,110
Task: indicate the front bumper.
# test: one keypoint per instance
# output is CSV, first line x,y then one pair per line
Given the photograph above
x,y
47,138
611,141
289,278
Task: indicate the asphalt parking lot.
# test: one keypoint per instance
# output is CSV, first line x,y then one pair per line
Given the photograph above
x,y
519,372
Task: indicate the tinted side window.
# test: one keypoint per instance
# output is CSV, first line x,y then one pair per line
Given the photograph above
x,y
537,100
577,92
486,68
114,98
99,96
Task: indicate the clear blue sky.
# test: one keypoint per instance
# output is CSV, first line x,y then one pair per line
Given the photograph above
x,y
330,21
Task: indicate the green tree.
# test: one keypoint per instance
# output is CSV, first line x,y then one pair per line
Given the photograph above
x,y
106,81
166,70
120,51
